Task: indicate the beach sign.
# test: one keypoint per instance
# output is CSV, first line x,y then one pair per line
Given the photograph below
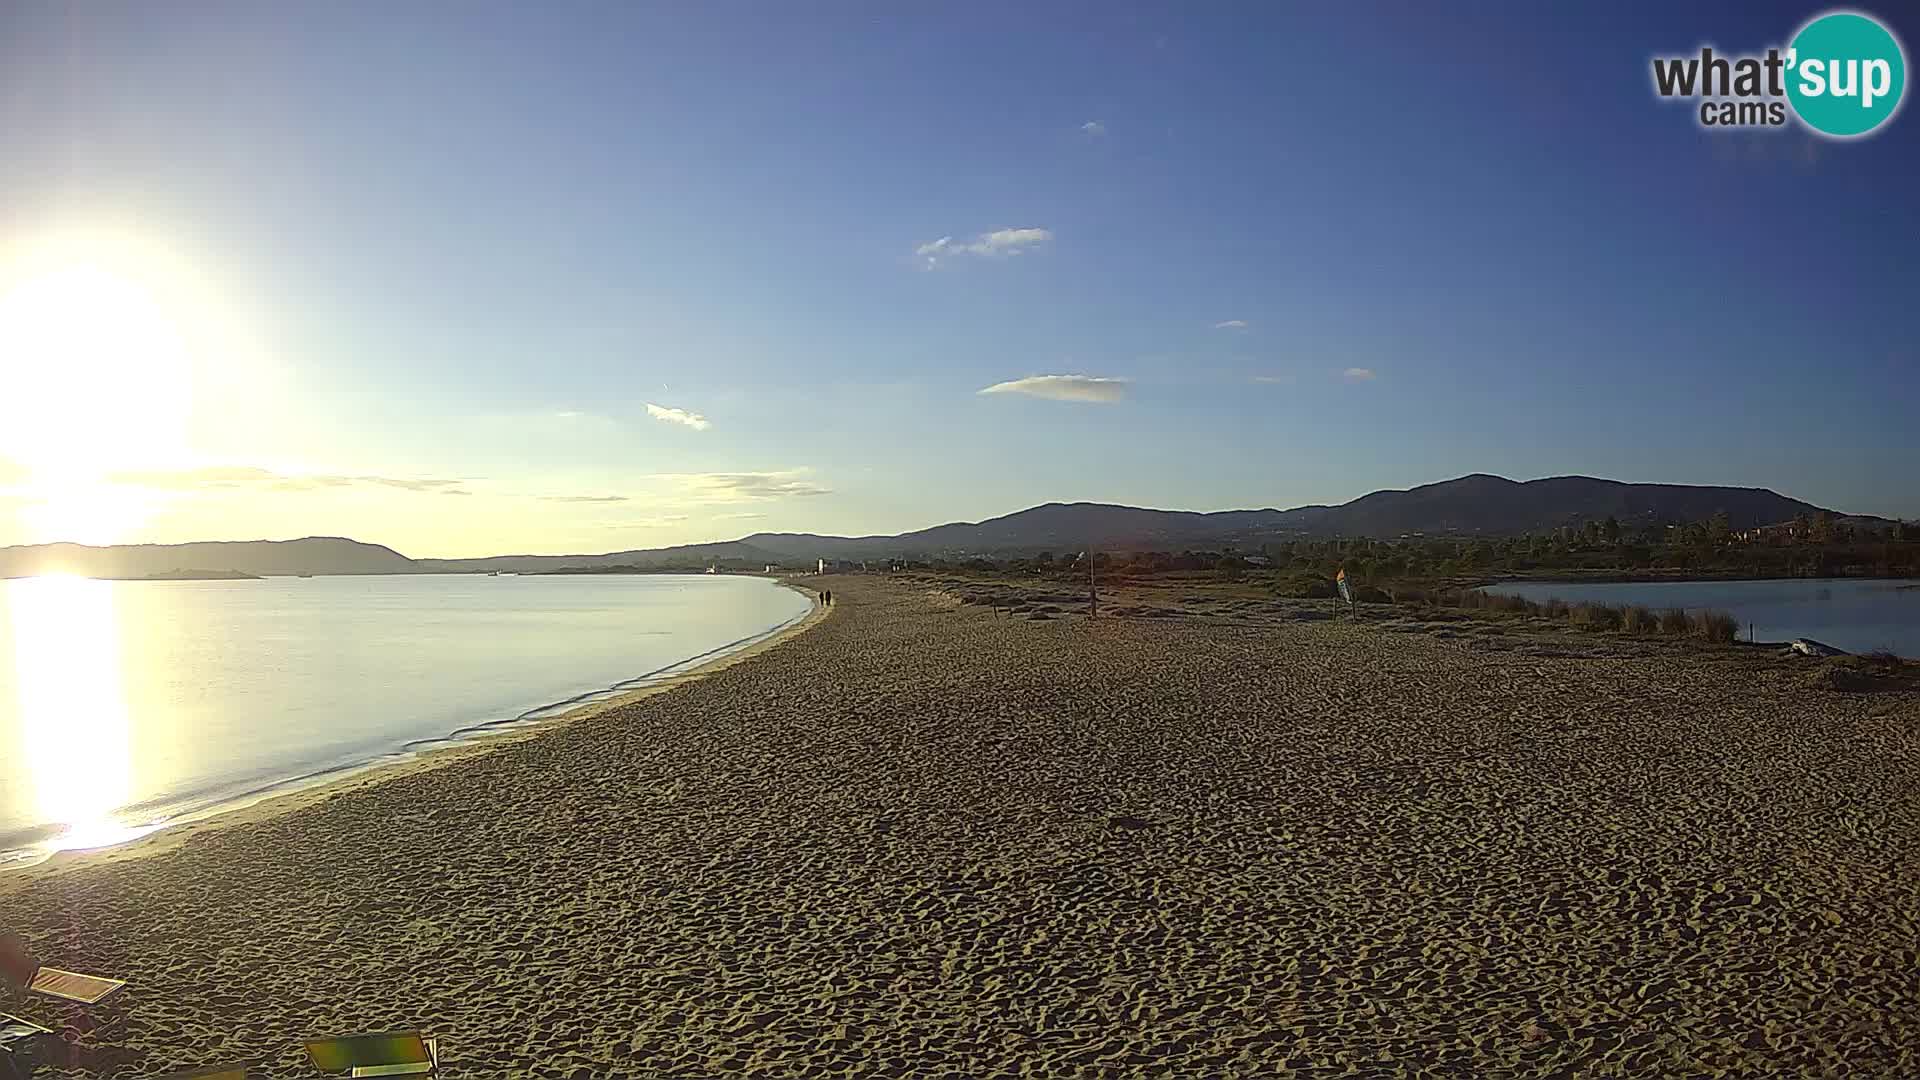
x,y
1340,579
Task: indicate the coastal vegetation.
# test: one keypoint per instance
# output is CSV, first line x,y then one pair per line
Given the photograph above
x,y
1447,572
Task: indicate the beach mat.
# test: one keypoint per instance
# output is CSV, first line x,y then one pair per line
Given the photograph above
x,y
389,1053
73,986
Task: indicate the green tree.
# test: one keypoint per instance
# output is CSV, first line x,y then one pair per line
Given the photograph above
x,y
1719,528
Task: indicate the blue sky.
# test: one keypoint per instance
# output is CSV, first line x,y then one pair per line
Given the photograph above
x,y
421,249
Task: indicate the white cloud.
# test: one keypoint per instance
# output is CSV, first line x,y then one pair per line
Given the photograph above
x,y
249,477
1094,128
1273,379
1231,324
742,486
1358,374
678,416
998,244
1064,388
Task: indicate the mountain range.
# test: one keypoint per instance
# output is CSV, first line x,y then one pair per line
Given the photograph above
x,y
1470,505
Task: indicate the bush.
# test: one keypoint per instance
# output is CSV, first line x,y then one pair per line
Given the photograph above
x,y
1673,622
1596,616
1306,587
1882,658
1555,608
1636,619
1715,626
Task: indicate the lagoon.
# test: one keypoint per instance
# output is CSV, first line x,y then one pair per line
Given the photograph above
x,y
1855,614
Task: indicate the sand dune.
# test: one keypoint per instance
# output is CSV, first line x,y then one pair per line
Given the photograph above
x,y
926,840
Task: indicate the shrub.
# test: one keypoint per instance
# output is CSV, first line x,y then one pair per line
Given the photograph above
x,y
1673,622
1636,619
1555,608
1715,626
1596,616
1882,658
1306,587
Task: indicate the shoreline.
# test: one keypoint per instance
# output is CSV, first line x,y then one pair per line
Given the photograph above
x,y
285,797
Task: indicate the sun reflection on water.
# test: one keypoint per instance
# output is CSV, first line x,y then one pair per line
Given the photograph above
x,y
72,706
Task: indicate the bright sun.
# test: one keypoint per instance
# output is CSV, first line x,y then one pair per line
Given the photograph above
x,y
94,379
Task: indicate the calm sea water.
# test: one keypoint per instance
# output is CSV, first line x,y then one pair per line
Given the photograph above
x,y
1854,614
126,705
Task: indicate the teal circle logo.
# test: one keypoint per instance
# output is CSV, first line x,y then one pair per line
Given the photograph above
x,y
1846,74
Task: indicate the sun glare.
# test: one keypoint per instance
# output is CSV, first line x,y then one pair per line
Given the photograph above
x,y
72,705
96,374
95,378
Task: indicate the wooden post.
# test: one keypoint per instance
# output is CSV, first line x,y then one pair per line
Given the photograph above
x,y
1093,589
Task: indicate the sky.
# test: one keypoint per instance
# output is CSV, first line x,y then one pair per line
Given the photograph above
x,y
475,278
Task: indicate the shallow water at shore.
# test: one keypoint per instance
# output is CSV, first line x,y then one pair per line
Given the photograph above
x,y
1855,614
125,705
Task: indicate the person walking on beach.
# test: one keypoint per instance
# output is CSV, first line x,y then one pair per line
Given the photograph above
x,y
826,598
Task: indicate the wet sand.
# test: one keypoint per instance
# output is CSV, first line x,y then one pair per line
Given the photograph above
x,y
927,839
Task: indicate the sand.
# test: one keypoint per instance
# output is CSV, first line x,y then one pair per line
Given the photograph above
x,y
927,839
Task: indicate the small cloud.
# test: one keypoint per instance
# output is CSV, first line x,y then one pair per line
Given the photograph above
x,y
1064,388
1358,374
1231,324
569,414
1273,379
244,477
998,244
1094,128
745,486
678,416
584,498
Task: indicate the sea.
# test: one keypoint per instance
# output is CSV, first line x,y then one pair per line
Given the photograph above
x,y
126,706
1856,614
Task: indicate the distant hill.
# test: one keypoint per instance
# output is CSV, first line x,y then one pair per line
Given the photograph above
x,y
1477,504
311,555
1054,526
1493,504
685,556
1471,505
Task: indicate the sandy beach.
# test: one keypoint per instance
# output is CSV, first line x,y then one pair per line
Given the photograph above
x,y
927,838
